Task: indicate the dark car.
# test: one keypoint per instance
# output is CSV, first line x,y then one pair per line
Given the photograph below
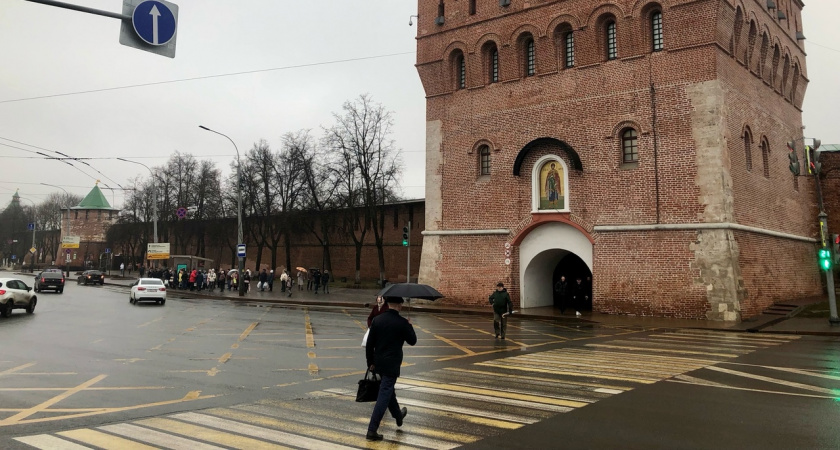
x,y
91,277
49,280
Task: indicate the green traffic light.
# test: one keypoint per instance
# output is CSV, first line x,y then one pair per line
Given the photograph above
x,y
405,243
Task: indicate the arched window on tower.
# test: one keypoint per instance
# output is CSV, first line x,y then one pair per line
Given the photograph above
x,y
492,63
786,77
775,69
765,156
484,161
739,25
751,43
748,148
530,57
629,146
612,43
795,85
460,66
569,49
765,47
656,30
472,7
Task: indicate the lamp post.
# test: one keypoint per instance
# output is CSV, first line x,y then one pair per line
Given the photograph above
x,y
154,194
239,238
68,224
34,227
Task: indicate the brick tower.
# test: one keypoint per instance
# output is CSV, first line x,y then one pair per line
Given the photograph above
x,y
641,143
90,221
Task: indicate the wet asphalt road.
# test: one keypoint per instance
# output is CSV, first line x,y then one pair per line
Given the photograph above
x,y
89,366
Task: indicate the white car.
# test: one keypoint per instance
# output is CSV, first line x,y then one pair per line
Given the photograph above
x,y
15,294
148,290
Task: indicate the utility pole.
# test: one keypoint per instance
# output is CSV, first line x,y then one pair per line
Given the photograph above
x,y
407,244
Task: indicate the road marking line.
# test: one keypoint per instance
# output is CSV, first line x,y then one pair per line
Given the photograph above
x,y
45,441
493,393
661,350
525,377
257,432
149,322
100,439
453,344
44,405
791,370
793,384
16,369
571,373
155,437
763,391
125,388
225,358
248,331
325,434
574,397
207,434
43,373
310,342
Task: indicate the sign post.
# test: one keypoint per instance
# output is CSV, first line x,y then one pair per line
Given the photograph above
x,y
157,251
152,27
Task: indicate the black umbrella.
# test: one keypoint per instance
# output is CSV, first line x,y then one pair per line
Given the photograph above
x,y
411,290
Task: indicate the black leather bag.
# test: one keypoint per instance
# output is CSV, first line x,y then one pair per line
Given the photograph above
x,y
368,387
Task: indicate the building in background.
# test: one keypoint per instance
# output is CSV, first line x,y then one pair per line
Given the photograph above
x,y
642,143
90,221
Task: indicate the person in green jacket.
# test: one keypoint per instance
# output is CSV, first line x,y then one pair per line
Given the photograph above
x,y
502,306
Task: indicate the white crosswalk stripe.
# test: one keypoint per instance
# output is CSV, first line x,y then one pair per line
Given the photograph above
x,y
448,407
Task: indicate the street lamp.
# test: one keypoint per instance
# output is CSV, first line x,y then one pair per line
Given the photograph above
x,y
239,238
68,223
154,194
34,227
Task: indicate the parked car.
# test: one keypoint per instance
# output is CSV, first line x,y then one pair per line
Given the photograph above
x,y
49,280
15,294
148,289
91,277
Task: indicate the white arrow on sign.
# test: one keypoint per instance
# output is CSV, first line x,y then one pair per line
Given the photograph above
x,y
155,14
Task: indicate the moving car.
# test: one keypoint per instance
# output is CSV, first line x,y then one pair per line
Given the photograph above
x,y
148,290
49,280
91,277
15,294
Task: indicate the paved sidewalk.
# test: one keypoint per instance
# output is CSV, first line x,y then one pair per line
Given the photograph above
x,y
361,298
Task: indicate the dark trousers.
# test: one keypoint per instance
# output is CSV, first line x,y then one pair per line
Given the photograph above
x,y
387,400
499,324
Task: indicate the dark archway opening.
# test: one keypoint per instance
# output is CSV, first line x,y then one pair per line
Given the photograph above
x,y
572,267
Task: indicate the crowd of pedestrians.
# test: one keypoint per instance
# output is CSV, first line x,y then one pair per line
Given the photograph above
x,y
199,279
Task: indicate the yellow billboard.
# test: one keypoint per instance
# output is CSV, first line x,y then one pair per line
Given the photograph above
x,y
159,250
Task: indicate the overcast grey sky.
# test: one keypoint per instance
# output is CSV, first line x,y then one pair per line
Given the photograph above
x,y
48,51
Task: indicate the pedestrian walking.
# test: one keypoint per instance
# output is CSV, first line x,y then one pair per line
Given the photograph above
x,y
263,279
284,277
221,280
579,294
300,280
561,288
325,281
271,280
122,269
234,282
289,283
316,280
384,354
199,280
211,279
378,308
502,307
247,280
191,280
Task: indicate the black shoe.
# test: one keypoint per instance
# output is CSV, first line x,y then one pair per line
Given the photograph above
x,y
497,335
403,413
374,436
503,337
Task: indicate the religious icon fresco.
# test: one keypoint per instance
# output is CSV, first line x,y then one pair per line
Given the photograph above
x,y
551,186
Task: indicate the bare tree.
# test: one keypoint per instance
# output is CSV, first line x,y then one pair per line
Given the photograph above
x,y
362,136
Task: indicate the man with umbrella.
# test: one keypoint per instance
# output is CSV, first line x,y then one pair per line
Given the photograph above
x,y
388,332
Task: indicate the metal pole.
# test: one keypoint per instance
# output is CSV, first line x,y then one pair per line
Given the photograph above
x,y
85,9
239,237
408,263
829,274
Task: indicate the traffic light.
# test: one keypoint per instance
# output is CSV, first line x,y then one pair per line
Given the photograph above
x,y
825,258
815,160
794,159
405,236
835,247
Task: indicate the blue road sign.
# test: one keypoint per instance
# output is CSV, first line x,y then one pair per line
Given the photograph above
x,y
30,226
107,250
154,22
14,257
240,250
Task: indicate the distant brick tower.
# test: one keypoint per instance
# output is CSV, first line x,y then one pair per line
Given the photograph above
x,y
90,221
641,143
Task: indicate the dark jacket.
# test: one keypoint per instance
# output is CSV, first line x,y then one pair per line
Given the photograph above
x,y
579,291
263,276
375,311
501,302
561,288
388,332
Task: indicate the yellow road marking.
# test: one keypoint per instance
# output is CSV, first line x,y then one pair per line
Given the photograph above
x,y
97,341
700,382
192,395
212,372
44,373
103,440
16,369
126,388
310,342
494,393
149,322
207,434
495,423
44,405
234,346
129,360
248,331
225,358
157,347
662,350
454,344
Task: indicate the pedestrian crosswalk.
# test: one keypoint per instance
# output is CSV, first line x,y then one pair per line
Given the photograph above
x,y
448,407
